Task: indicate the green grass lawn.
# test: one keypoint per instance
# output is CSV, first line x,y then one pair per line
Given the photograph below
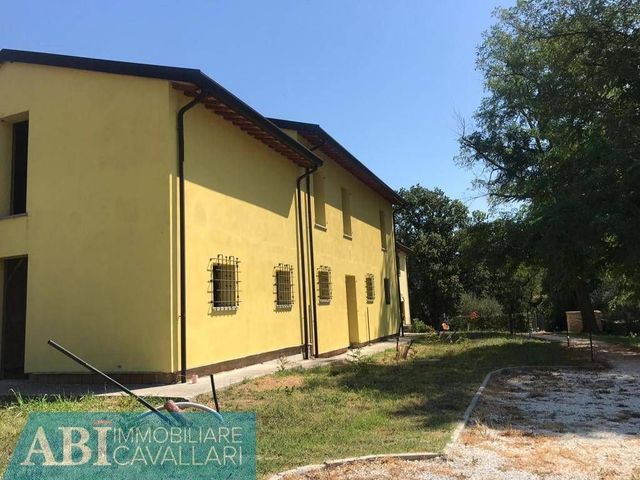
x,y
374,405
379,405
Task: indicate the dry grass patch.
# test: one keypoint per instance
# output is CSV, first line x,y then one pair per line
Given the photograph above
x,y
272,382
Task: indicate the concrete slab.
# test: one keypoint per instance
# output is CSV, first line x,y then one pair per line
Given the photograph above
x,y
187,391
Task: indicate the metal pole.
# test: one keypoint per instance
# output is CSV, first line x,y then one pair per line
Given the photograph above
x,y
113,382
312,269
215,395
303,275
183,238
395,263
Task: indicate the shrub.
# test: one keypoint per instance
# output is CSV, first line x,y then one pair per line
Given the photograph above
x,y
480,313
420,327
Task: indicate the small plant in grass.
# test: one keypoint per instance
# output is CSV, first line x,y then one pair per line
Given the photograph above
x,y
356,356
420,327
283,363
404,352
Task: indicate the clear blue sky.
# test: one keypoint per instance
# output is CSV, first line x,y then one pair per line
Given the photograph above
x,y
386,78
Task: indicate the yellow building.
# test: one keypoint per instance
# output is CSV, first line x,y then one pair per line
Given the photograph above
x,y
155,224
403,278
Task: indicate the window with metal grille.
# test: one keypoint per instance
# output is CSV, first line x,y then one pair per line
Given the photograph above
x,y
370,286
283,284
387,291
324,285
225,294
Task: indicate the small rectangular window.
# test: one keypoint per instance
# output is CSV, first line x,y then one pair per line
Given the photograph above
x,y
283,277
370,286
324,285
319,199
383,230
224,283
346,213
19,168
387,291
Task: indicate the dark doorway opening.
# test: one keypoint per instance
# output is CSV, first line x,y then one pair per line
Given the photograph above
x,y
14,318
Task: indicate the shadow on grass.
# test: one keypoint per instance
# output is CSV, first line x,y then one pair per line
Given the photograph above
x,y
442,384
378,404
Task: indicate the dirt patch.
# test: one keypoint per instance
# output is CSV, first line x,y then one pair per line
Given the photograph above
x,y
561,424
273,382
595,404
388,469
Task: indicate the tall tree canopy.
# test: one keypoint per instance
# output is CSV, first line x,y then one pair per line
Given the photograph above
x,y
558,133
430,224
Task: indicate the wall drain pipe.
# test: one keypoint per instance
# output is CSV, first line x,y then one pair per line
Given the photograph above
x,y
312,258
303,274
312,268
395,261
183,246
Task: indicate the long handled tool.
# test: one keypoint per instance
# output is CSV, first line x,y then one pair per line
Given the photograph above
x,y
113,382
214,394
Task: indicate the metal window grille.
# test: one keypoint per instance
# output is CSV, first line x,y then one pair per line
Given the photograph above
x,y
283,285
370,286
324,284
225,292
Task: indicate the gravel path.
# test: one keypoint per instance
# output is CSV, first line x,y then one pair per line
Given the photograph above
x,y
565,424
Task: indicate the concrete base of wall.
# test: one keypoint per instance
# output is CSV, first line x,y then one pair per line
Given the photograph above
x,y
340,351
145,378
244,361
155,378
332,353
375,340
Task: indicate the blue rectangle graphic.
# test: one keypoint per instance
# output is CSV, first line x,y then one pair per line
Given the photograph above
x,y
114,446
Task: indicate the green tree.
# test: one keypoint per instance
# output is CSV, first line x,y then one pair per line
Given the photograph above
x,y
558,133
430,225
495,262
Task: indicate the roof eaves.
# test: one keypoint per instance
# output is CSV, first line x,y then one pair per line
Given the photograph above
x,y
404,248
175,74
302,127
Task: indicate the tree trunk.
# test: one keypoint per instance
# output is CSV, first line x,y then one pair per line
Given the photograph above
x,y
585,306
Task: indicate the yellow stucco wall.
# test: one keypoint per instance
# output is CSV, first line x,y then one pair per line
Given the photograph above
x,y
101,229
97,232
5,167
240,202
404,285
359,255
